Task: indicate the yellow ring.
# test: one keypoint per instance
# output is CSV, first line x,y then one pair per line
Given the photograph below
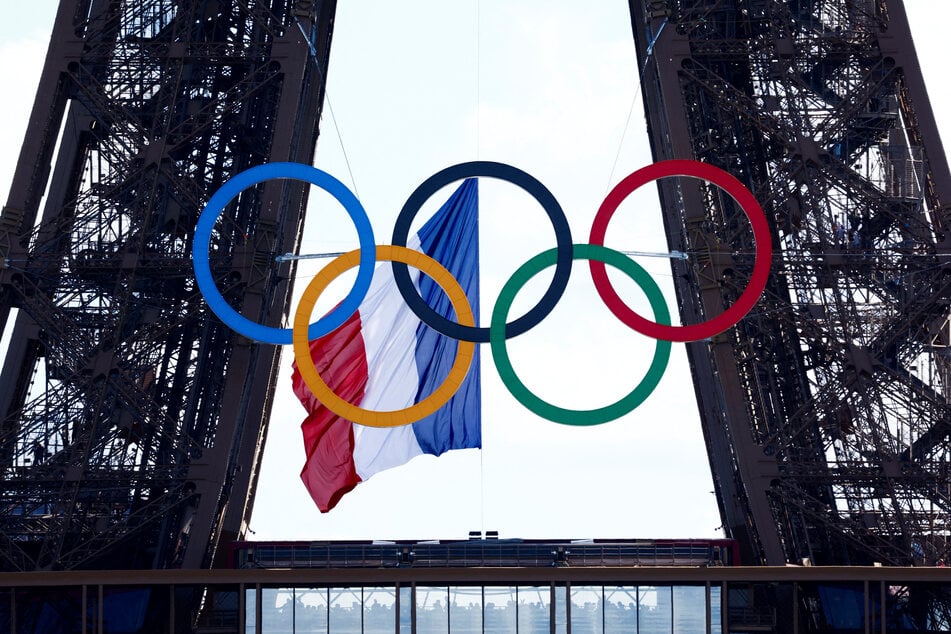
x,y
407,415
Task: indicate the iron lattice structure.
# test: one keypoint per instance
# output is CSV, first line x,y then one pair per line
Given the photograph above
x,y
825,410
131,419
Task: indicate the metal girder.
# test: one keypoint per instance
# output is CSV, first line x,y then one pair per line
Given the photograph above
x,y
825,410
131,419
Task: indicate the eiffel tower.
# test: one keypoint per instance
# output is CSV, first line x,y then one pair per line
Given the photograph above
x,y
131,419
826,410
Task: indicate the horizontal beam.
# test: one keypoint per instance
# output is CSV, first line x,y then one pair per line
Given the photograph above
x,y
374,576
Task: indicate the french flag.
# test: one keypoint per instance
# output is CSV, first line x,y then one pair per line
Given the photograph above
x,y
385,358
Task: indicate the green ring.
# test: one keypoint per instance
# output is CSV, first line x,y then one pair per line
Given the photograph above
x,y
571,416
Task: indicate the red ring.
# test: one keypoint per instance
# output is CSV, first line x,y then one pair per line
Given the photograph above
x,y
761,265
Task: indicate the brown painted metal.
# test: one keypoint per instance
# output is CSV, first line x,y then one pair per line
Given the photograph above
x,y
131,419
661,575
825,410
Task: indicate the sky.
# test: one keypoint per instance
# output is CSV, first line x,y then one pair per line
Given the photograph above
x,y
551,88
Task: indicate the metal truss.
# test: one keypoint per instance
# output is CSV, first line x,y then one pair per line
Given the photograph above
x,y
131,419
826,409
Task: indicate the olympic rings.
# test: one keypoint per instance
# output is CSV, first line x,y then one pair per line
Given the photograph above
x,y
558,414
499,330
753,211
253,176
517,177
440,396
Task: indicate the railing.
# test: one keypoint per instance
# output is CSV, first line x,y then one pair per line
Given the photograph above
x,y
695,599
486,553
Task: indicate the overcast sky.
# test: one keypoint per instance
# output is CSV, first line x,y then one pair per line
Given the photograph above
x,y
548,87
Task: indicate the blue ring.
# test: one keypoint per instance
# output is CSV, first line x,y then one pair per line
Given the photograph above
x,y
253,176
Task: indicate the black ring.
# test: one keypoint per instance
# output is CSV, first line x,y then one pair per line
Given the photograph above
x,y
517,177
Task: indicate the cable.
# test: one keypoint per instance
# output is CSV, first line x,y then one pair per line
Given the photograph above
x,y
478,79
630,112
287,257
333,118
